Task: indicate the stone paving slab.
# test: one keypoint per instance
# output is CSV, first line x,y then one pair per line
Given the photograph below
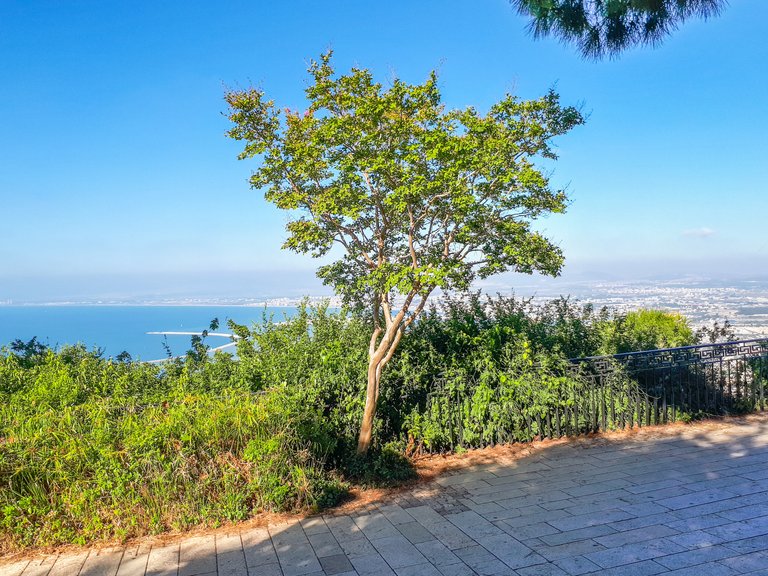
x,y
678,501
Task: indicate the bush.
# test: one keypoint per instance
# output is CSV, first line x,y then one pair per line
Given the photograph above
x,y
522,395
471,346
647,330
325,353
92,448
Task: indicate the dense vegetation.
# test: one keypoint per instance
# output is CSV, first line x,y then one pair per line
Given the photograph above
x,y
94,448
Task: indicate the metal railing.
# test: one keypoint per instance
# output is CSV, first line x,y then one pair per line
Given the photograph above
x,y
690,380
605,393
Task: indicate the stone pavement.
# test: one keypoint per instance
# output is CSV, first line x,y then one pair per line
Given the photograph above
x,y
684,502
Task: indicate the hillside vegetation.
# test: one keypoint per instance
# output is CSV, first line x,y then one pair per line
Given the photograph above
x,y
94,448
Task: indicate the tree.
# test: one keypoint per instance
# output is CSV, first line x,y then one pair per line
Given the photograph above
x,y
417,197
607,27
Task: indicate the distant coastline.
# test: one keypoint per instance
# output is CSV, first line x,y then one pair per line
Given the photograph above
x,y
134,329
280,302
743,302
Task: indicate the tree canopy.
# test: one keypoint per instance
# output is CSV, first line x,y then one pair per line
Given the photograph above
x,y
417,197
607,27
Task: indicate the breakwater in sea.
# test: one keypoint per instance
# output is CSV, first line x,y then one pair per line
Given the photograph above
x,y
124,328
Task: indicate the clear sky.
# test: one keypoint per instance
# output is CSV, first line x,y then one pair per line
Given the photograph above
x,y
116,178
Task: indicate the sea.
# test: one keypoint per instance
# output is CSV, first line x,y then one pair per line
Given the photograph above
x,y
116,329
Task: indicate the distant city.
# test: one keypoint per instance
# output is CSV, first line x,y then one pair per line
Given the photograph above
x,y
746,309
743,303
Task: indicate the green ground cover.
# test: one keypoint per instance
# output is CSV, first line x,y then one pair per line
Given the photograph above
x,y
93,448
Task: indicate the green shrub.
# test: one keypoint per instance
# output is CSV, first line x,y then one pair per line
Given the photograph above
x,y
92,448
647,330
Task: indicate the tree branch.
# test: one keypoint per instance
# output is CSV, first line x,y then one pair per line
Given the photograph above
x,y
411,232
344,229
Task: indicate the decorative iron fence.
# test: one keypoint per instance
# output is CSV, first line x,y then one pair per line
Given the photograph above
x,y
598,393
691,380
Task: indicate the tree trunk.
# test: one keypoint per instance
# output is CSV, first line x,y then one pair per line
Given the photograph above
x,y
378,356
371,398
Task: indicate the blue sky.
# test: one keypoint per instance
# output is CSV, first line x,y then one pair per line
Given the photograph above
x,y
116,179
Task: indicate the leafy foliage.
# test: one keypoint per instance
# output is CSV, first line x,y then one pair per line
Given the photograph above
x,y
716,333
648,330
608,27
93,449
417,197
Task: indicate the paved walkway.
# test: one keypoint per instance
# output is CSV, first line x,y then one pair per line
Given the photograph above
x,y
690,502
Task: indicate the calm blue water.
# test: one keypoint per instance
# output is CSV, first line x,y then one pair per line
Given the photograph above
x,y
118,328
